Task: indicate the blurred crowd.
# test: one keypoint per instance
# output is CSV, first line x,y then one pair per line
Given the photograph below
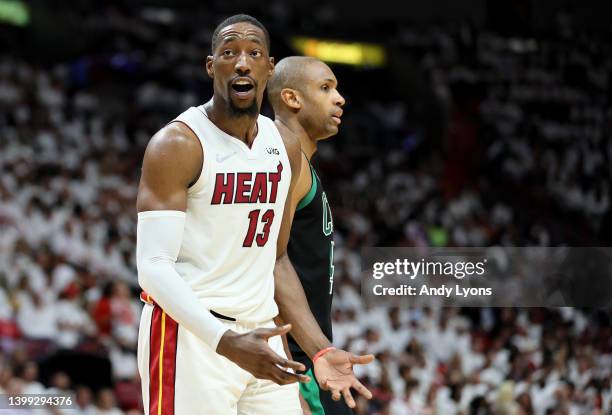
x,y
524,160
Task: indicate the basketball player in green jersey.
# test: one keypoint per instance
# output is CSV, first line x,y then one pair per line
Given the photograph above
x,y
303,93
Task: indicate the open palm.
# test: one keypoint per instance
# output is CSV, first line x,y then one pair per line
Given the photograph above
x,y
334,372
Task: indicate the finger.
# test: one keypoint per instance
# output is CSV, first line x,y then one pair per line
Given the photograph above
x,y
348,398
288,364
300,377
361,360
285,363
335,394
304,378
363,391
282,377
324,385
274,331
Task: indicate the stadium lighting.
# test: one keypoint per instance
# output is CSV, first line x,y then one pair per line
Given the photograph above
x,y
14,12
348,53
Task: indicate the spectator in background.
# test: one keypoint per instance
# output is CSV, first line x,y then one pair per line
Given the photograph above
x,y
102,312
124,314
73,322
105,404
84,401
29,376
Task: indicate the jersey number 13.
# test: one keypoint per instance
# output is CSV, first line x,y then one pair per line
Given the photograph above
x,y
262,237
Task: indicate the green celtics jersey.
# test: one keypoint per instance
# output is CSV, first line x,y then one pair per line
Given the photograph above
x,y
311,250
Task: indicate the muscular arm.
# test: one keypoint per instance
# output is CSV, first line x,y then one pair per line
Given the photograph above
x,y
334,369
172,161
289,294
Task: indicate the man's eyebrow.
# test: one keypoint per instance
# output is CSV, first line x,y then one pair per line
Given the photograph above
x,y
329,80
255,39
229,37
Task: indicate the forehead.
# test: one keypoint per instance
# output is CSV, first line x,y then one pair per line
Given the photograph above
x,y
242,30
318,72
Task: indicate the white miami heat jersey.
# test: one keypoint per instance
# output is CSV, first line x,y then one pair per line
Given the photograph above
x,y
233,218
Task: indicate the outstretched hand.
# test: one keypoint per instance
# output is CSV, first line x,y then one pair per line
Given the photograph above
x,y
334,372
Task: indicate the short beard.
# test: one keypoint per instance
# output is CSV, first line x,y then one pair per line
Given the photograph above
x,y
237,112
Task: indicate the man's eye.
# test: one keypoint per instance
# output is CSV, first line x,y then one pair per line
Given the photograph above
x,y
325,87
256,53
227,52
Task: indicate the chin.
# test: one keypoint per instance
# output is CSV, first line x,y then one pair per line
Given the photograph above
x,y
328,134
242,104
242,108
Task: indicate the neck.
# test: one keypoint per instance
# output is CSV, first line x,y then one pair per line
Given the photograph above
x,y
308,145
243,127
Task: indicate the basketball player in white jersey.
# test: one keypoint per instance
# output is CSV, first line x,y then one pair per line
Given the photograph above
x,y
211,225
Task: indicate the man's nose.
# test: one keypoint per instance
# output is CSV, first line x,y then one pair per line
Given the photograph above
x,y
340,100
242,65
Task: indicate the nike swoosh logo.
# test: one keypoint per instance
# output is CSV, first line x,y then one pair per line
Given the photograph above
x,y
221,159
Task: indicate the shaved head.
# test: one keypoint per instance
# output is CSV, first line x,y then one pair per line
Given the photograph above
x,y
288,73
304,90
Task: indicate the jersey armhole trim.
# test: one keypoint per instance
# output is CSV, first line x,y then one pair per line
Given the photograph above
x,y
197,179
311,193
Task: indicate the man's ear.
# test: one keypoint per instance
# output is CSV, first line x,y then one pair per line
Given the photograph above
x,y
291,98
271,62
209,67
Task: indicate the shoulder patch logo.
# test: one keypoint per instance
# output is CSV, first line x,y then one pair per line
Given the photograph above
x,y
272,150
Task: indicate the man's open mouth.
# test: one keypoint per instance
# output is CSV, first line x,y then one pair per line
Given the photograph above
x,y
242,86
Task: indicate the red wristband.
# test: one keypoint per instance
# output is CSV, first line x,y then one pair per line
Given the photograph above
x,y
322,352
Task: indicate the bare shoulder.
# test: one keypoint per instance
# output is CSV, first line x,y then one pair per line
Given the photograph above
x,y
175,143
172,161
177,149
